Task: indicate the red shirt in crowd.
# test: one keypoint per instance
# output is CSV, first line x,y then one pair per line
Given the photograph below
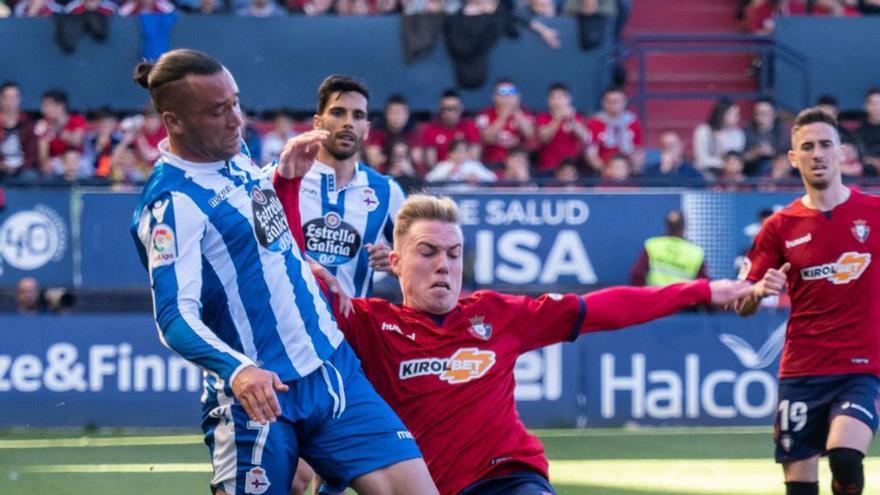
x,y
564,144
834,284
78,7
621,135
508,137
438,136
58,146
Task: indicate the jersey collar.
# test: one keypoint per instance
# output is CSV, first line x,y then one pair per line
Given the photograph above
x,y
321,168
188,166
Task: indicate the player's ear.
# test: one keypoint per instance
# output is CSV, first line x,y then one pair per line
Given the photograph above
x,y
394,259
367,132
317,122
791,159
172,122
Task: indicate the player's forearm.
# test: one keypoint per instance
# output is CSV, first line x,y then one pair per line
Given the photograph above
x,y
619,307
288,194
203,348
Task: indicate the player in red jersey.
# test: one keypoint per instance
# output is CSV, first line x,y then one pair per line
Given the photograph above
x,y
446,364
822,246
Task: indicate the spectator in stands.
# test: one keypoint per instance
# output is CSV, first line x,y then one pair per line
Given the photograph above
x,y
400,166
837,8
732,169
135,7
543,8
5,11
58,132
394,126
126,166
618,170
18,143
760,15
274,140
310,7
781,169
101,141
670,258
458,167
82,7
765,137
851,164
716,137
828,104
147,131
261,8
615,131
567,171
28,298
449,125
869,131
517,168
36,8
671,168
562,131
869,7
505,126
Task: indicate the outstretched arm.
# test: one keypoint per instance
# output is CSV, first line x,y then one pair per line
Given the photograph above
x,y
619,307
771,284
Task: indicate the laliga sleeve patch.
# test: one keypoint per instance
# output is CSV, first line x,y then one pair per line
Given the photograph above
x,y
163,247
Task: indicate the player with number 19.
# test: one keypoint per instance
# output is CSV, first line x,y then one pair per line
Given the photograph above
x,y
822,246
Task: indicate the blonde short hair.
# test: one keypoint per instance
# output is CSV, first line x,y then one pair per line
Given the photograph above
x,y
424,207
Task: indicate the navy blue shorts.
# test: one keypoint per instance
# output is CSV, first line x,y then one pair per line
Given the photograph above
x,y
519,483
332,418
808,404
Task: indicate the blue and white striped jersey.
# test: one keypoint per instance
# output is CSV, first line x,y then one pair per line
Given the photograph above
x,y
230,287
338,222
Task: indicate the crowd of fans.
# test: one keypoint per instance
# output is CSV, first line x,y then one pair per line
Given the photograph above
x,y
504,142
759,16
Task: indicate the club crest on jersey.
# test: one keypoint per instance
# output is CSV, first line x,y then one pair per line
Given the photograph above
x,y
479,328
849,267
371,202
256,481
785,442
463,366
861,230
258,196
163,249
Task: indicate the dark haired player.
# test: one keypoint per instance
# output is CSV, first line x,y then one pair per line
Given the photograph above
x,y
822,246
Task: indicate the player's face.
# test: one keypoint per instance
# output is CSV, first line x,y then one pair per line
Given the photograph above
x,y
208,123
345,117
428,264
816,154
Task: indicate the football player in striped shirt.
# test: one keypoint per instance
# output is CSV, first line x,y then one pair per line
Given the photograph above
x,y
233,295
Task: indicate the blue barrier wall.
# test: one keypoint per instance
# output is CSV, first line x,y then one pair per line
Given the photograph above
x,y
843,55
279,62
546,240
685,370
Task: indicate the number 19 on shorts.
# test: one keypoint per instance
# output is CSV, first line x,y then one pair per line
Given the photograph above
x,y
792,415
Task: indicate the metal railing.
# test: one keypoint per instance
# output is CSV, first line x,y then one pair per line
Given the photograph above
x,y
773,55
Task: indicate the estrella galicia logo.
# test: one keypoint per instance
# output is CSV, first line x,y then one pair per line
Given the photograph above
x,y
761,358
331,240
270,224
29,239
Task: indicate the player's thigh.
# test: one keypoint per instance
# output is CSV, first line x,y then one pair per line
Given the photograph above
x,y
304,477
801,423
248,457
402,478
854,415
360,436
806,470
519,483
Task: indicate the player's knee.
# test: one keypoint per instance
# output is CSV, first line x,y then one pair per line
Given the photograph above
x,y
847,471
801,488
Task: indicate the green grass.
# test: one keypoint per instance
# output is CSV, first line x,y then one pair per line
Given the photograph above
x,y
583,462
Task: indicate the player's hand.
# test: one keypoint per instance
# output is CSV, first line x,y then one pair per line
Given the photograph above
x,y
773,282
333,285
299,153
255,389
726,292
379,256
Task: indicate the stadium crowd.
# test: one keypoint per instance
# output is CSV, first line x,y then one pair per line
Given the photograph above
x,y
503,143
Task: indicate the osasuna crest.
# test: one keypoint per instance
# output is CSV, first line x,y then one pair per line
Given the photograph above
x,y
479,328
785,442
861,230
371,202
256,481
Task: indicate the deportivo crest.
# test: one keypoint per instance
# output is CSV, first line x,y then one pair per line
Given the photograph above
x,y
256,481
163,249
371,202
861,230
479,328
258,196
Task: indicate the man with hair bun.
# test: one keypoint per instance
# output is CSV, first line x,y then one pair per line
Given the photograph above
x,y
446,364
822,245
233,295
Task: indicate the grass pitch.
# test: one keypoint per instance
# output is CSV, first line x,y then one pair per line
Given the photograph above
x,y
582,462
